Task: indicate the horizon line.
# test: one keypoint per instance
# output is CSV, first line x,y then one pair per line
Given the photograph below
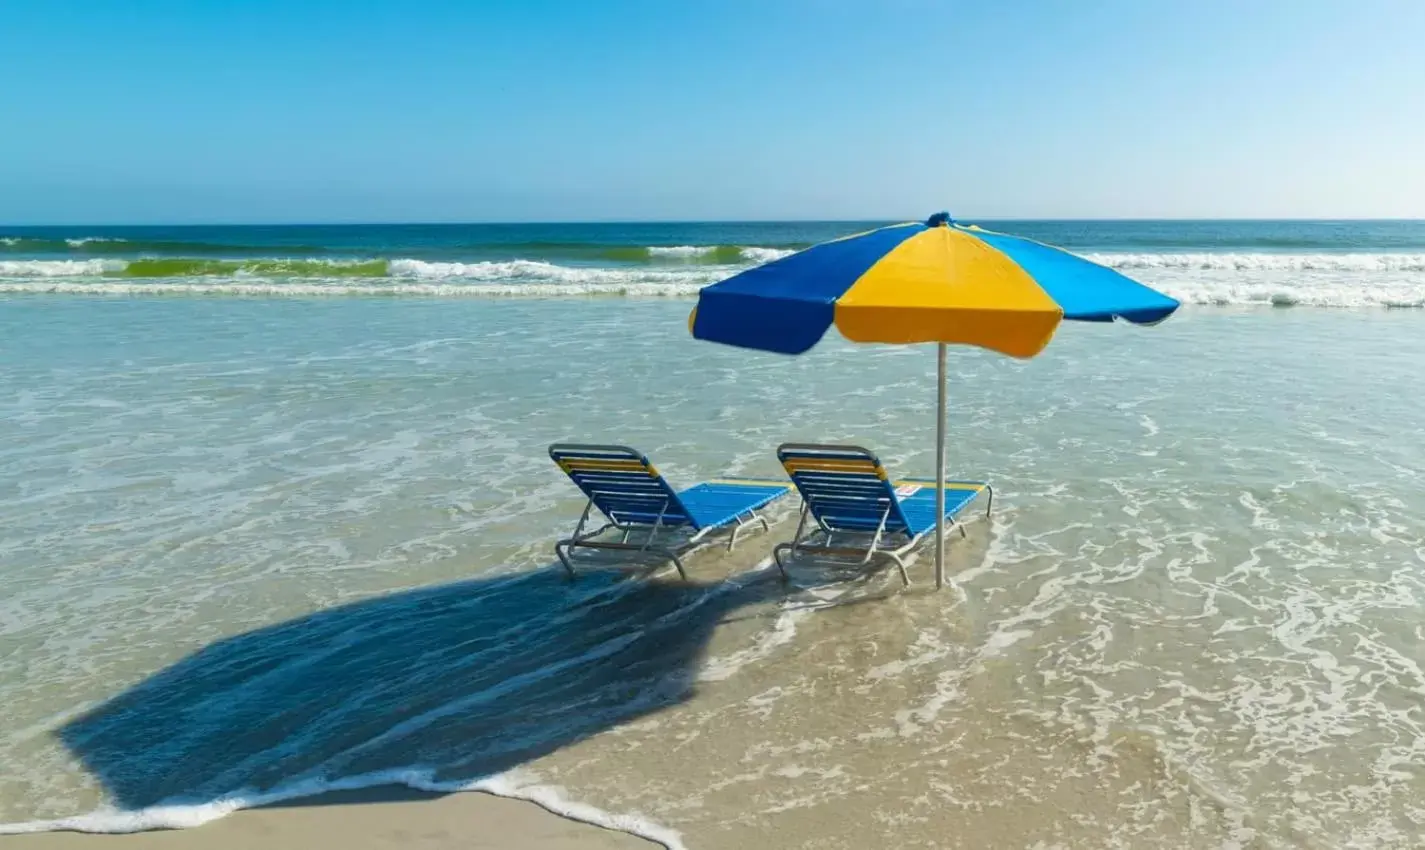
x,y
674,221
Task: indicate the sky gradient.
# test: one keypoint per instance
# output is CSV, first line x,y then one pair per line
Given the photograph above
x,y
355,110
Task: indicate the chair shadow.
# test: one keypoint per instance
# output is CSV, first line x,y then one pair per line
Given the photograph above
x,y
464,680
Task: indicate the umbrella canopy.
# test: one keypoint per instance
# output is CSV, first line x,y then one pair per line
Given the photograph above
x,y
940,282
934,282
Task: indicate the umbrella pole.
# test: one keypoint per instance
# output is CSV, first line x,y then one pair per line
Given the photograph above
x,y
940,472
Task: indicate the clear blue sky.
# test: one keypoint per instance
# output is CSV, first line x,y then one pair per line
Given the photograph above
x,y
522,110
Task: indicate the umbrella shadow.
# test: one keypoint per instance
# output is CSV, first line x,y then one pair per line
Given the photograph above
x,y
462,680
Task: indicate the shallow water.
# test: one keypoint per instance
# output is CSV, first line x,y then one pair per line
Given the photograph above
x,y
1195,618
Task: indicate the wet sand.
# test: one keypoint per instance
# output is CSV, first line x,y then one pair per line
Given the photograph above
x,y
372,819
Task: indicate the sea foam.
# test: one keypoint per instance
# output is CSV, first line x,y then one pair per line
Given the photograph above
x,y
720,253
1265,262
88,240
185,815
681,250
535,270
766,255
58,268
1240,279
312,289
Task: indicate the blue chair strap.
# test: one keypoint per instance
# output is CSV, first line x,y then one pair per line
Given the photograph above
x,y
621,483
844,487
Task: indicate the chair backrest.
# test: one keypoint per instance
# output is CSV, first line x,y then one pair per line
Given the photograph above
x,y
621,483
845,487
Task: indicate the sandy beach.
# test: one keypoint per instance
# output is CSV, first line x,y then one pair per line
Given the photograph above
x,y
373,819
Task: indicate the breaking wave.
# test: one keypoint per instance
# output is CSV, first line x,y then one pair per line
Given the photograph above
x,y
112,246
1265,262
719,254
336,287
330,277
56,268
175,267
1271,280
535,270
765,255
163,267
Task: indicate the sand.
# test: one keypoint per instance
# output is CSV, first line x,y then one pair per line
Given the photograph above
x,y
366,820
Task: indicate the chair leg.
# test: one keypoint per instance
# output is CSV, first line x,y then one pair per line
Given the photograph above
x,y
900,565
559,549
777,557
564,547
736,530
876,540
742,524
678,562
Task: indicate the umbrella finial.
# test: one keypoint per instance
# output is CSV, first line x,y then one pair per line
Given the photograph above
x,y
940,219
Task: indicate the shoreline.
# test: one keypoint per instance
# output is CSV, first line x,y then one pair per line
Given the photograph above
x,y
381,817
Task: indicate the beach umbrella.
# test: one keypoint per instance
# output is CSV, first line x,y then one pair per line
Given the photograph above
x,y
938,282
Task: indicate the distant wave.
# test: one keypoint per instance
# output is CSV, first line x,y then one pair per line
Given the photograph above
x,y
765,255
533,270
166,267
1227,239
549,251
1308,280
56,268
720,254
196,270
91,240
1265,262
723,255
682,250
1218,293
184,267
1332,294
112,245
336,287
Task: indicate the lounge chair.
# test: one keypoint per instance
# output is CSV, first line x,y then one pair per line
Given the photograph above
x,y
634,497
846,491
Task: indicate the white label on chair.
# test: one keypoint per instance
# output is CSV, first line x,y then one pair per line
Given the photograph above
x,y
907,489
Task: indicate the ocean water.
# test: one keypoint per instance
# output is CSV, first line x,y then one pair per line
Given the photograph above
x,y
1317,263
258,546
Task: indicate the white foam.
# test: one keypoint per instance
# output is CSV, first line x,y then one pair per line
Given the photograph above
x,y
85,240
316,288
1264,262
1292,289
783,629
681,250
535,270
1262,280
180,815
57,268
751,253
409,269
765,255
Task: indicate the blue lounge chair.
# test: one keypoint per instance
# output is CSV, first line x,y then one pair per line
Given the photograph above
x,y
846,491
633,496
